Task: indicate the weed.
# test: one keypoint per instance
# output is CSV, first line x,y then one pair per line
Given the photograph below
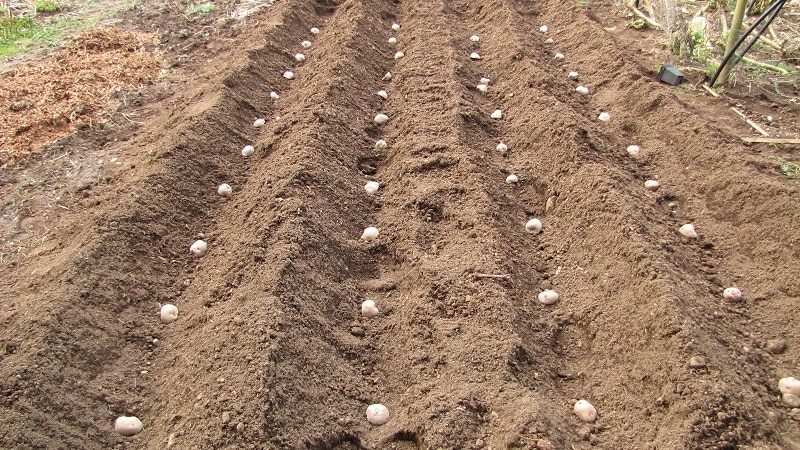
x,y
788,168
637,24
47,6
711,68
202,8
17,33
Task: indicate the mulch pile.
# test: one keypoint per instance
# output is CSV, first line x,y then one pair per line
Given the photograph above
x,y
45,101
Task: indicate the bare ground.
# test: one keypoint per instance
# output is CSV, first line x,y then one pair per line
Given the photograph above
x,y
270,350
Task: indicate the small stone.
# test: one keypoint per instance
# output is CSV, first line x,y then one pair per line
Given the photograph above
x,y
697,362
795,414
776,346
226,417
344,421
240,426
357,331
544,444
775,417
550,204
791,400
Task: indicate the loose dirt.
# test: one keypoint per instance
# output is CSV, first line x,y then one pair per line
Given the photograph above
x,y
270,349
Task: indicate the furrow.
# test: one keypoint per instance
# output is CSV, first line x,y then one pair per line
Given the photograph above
x,y
450,350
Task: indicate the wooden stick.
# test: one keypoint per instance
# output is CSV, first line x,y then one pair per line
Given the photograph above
x,y
750,122
478,276
767,140
710,91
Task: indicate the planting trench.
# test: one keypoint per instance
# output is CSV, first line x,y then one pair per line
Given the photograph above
x,y
270,350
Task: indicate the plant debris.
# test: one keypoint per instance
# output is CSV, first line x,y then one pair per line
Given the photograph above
x,y
45,101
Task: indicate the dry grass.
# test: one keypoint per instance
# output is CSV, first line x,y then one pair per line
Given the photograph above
x,y
44,101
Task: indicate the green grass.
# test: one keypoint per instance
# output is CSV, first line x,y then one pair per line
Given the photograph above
x,y
17,33
47,6
202,8
21,34
711,68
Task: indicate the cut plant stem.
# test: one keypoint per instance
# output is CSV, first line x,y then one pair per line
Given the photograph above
x,y
650,22
769,42
723,23
733,36
766,66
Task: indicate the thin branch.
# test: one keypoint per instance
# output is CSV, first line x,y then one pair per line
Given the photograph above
x,y
750,122
768,140
478,276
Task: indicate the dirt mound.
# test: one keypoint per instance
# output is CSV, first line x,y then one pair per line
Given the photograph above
x,y
44,101
270,349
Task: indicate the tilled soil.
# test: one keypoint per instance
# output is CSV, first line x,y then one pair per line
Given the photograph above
x,y
270,349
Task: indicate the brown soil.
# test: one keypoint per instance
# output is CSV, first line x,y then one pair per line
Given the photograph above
x,y
270,349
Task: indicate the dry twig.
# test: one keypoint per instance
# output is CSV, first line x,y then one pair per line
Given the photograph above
x,y
479,276
750,122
